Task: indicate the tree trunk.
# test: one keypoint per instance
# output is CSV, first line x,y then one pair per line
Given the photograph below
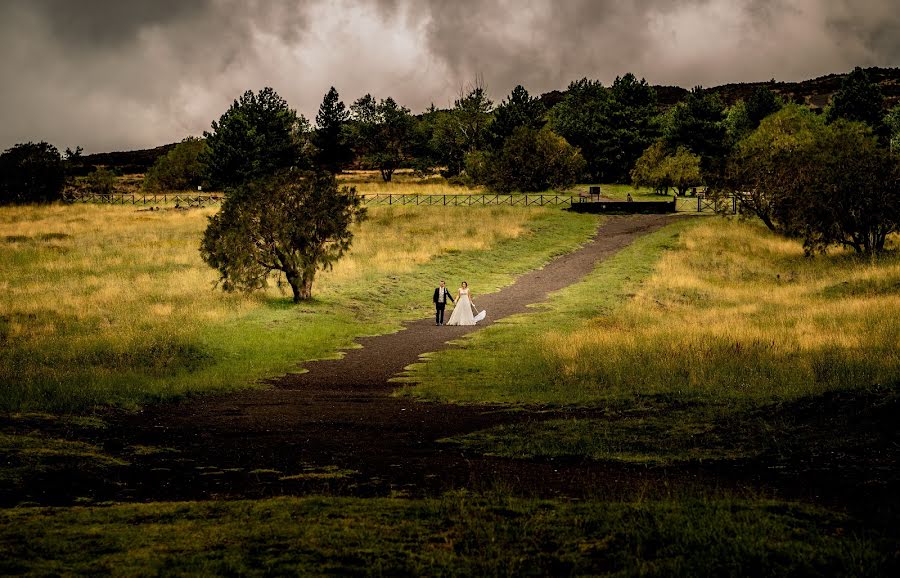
x,y
301,284
386,174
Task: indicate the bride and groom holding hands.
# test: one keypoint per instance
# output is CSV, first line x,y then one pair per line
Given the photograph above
x,y
463,307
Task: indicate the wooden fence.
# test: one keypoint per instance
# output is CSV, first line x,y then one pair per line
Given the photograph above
x,y
702,204
178,199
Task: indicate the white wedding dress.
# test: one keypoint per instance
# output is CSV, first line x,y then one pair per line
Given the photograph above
x,y
462,311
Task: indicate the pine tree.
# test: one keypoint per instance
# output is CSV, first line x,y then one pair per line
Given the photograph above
x,y
330,137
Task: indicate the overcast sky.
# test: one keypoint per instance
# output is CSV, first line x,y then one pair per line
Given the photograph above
x,y
116,74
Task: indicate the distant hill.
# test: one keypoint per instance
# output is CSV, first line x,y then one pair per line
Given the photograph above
x,y
128,162
815,93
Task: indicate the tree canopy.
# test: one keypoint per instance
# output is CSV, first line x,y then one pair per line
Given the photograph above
x,y
383,133
611,127
291,224
178,170
530,160
257,136
519,109
859,99
697,123
830,184
31,173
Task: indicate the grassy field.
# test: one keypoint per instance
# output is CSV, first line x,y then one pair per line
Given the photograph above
x,y
111,305
458,534
730,344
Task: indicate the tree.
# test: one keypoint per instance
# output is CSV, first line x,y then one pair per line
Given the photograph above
x,y
530,160
761,103
682,170
463,129
612,127
289,224
330,138
744,116
383,133
697,123
31,173
859,99
580,119
519,109
660,170
827,184
255,138
647,171
763,168
180,169
631,119
850,191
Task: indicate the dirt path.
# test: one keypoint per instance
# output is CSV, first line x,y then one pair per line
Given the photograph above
x,y
337,429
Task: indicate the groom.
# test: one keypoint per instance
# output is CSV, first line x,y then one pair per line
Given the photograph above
x,y
440,301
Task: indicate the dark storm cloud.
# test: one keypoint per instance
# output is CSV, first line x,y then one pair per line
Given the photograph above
x,y
111,74
544,45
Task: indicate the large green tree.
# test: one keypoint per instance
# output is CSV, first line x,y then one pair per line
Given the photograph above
x,y
612,127
180,169
851,191
31,173
580,118
462,130
763,168
290,225
333,151
257,136
829,184
383,134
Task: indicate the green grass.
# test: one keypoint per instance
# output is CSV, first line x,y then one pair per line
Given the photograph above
x,y
706,341
107,305
504,363
457,535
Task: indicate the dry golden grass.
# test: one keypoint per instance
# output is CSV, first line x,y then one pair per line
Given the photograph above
x,y
734,310
92,293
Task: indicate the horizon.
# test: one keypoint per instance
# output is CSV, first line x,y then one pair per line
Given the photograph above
x,y
112,77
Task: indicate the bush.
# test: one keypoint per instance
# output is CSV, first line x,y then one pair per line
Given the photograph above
x,y
102,181
31,173
178,170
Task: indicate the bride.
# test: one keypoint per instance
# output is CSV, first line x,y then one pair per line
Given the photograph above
x,y
462,312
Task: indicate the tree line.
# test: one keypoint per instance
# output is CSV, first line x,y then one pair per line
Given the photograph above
x,y
828,179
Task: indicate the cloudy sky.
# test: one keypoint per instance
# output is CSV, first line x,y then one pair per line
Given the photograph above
x,y
116,74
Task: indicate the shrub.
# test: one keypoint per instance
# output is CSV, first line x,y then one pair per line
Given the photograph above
x,y
102,181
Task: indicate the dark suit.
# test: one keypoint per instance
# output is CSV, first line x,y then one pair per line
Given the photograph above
x,y
439,304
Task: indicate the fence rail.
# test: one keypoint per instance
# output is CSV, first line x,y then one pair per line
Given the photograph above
x,y
380,199
702,204
179,199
